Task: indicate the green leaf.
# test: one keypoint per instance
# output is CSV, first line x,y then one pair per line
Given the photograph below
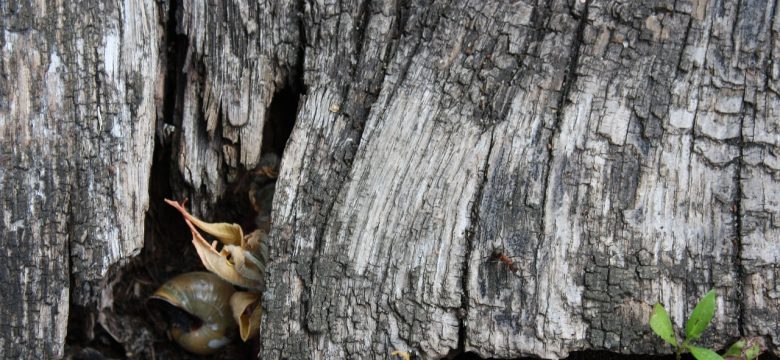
x,y
735,350
703,353
753,352
662,325
701,316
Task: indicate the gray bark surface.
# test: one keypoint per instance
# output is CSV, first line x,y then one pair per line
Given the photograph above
x,y
239,54
621,153
77,108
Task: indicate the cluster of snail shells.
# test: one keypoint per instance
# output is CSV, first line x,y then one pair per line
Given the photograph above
x,y
203,309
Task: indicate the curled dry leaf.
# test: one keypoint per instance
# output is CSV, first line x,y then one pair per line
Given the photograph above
x,y
224,232
245,264
247,312
232,263
219,262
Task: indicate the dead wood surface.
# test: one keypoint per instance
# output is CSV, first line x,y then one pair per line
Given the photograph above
x,y
621,153
77,110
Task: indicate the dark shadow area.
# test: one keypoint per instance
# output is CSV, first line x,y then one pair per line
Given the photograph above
x,y
83,338
234,205
281,119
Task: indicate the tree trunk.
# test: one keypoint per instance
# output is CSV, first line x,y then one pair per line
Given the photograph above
x,y
618,153
77,108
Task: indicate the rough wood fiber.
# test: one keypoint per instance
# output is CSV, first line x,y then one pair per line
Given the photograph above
x,y
755,48
77,101
620,152
348,48
625,219
239,54
603,145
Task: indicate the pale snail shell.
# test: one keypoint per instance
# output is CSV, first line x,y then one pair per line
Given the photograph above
x,y
199,315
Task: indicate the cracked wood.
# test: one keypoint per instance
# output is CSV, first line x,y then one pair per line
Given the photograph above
x,y
620,152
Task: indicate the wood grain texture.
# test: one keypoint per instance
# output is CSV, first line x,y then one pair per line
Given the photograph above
x,y
77,108
756,47
619,153
238,55
602,145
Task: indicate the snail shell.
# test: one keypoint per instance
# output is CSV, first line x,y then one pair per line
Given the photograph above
x,y
197,307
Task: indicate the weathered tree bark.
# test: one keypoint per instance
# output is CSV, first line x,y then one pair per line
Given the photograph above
x,y
620,152
77,108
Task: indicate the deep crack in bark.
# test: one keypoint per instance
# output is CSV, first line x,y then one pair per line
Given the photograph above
x,y
469,237
738,267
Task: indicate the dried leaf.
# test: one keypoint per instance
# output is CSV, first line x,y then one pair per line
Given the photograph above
x,y
224,232
233,263
247,313
245,264
218,263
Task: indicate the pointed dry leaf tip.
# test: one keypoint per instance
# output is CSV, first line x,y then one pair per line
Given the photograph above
x,y
662,325
247,312
224,232
701,316
402,354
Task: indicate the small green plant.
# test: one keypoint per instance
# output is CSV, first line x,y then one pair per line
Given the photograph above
x,y
698,322
744,349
